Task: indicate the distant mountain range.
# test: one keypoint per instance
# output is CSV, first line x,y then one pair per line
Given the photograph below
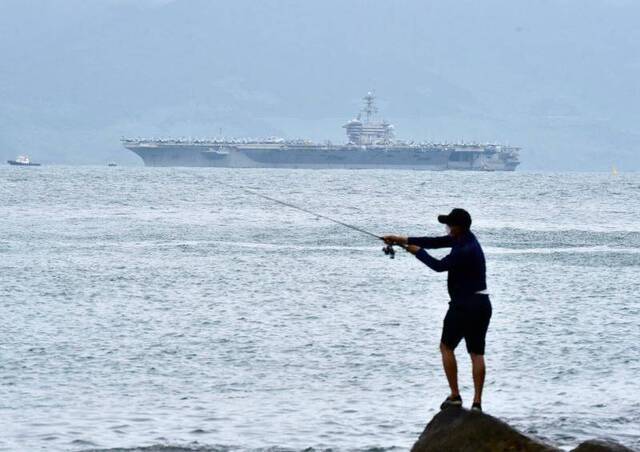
x,y
559,78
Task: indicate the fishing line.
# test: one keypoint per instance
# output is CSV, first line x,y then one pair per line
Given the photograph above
x,y
388,250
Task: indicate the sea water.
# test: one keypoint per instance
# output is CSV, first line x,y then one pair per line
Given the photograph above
x,y
150,307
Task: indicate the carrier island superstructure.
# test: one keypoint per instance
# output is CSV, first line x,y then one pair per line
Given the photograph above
x,y
371,144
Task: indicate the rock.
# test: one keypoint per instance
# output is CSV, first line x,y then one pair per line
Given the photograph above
x,y
460,430
596,445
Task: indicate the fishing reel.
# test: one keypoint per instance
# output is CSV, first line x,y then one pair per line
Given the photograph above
x,y
389,251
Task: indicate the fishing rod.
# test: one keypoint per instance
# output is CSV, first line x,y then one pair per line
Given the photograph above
x,y
388,249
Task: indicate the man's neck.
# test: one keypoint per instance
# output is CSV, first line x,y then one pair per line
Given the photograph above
x,y
463,235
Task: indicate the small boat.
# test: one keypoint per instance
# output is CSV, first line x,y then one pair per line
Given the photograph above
x,y
111,164
22,160
614,171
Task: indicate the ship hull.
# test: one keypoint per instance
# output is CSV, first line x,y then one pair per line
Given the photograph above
x,y
14,163
314,157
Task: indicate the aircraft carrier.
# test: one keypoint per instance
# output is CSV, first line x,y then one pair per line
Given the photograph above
x,y
371,144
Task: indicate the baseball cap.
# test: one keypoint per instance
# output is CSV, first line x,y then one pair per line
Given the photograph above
x,y
457,217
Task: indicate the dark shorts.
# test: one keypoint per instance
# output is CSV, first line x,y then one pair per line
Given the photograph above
x,y
468,319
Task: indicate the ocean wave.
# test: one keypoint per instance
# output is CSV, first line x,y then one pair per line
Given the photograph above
x,y
222,448
563,250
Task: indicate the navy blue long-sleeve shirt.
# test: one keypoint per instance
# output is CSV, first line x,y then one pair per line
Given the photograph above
x,y
465,263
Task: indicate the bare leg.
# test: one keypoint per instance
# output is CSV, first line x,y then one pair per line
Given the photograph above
x,y
478,369
450,368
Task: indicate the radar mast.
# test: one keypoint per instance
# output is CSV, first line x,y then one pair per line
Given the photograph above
x,y
370,108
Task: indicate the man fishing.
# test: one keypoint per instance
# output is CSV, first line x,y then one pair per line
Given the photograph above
x,y
469,309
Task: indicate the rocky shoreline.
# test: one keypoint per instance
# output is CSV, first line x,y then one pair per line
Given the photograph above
x,y
461,430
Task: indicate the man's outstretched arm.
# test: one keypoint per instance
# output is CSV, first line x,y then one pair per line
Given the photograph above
x,y
429,243
423,242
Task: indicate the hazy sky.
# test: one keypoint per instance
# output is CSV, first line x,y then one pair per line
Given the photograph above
x,y
560,78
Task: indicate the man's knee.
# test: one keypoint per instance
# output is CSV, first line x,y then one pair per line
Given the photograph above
x,y
476,358
445,349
